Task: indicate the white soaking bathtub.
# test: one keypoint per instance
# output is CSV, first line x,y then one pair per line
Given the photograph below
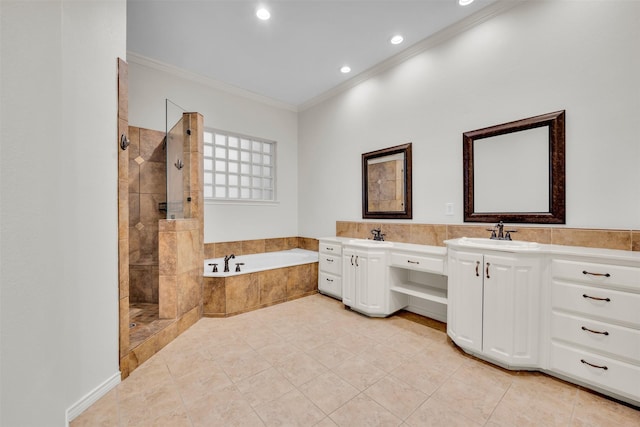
x,y
260,262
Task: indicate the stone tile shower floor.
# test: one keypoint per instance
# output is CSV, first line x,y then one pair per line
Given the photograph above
x,y
310,362
144,321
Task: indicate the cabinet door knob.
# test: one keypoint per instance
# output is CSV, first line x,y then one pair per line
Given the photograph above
x,y
488,277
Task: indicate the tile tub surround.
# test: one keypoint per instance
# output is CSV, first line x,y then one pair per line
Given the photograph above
x,y
227,296
248,247
310,362
436,234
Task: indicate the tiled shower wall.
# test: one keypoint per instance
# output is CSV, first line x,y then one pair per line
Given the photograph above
x,y
147,189
436,234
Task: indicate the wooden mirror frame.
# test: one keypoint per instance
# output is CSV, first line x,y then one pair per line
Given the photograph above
x,y
407,212
556,215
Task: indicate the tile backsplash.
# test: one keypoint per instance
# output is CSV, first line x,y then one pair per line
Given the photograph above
x,y
436,234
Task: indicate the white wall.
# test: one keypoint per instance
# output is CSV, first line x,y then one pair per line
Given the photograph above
x,y
58,215
150,84
536,58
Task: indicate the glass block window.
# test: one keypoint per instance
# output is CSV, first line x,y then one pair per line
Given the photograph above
x,y
238,167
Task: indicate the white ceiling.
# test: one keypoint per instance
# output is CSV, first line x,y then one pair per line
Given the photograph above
x,y
296,55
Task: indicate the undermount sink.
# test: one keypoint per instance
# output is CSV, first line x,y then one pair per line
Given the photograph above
x,y
498,244
371,243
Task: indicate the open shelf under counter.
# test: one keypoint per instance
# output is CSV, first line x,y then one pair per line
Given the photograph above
x,y
419,284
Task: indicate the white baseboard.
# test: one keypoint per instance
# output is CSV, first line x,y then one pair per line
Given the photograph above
x,y
92,397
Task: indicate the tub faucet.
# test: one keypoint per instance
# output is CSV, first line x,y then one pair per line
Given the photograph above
x,y
226,262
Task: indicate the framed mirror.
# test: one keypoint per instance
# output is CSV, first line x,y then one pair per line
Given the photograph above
x,y
515,172
386,183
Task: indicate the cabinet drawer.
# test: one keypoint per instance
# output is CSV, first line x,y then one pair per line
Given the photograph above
x,y
331,264
330,248
605,304
330,284
618,377
600,336
418,262
605,275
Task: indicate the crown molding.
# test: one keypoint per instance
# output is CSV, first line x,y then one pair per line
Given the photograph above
x,y
435,39
144,61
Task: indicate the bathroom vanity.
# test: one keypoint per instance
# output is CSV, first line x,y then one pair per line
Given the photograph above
x,y
572,312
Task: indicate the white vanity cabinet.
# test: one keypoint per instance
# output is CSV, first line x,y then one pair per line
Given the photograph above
x,y
330,268
364,280
494,305
595,324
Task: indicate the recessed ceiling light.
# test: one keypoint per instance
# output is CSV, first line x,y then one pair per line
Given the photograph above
x,y
465,2
345,69
263,14
397,39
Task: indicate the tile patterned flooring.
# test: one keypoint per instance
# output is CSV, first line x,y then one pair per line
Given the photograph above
x,y
310,362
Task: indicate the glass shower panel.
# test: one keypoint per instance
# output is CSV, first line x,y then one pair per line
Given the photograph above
x,y
176,161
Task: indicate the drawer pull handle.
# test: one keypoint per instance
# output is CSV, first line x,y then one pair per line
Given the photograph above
x,y
331,280
488,277
592,365
594,332
351,259
477,266
596,298
413,262
357,261
595,274
329,249
329,260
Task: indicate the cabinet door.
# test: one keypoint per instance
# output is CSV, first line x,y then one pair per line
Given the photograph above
x,y
370,276
510,315
464,312
348,277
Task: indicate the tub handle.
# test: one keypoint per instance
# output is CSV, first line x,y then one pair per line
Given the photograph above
x,y
238,264
215,267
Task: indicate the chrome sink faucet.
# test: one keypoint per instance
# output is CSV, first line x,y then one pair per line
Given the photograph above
x,y
226,262
377,234
498,232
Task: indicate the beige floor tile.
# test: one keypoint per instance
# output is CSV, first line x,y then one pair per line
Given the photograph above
x,y
243,365
354,343
476,402
359,373
593,410
383,356
198,384
104,412
175,418
277,352
300,368
418,373
362,411
328,391
535,399
434,413
330,354
291,409
219,408
149,404
396,396
264,387
342,375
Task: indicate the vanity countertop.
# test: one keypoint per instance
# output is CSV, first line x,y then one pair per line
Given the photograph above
x,y
389,245
616,255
